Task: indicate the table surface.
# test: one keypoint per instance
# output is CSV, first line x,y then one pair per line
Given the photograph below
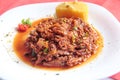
x,y
111,5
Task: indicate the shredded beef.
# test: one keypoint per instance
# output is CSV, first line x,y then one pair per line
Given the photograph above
x,y
61,42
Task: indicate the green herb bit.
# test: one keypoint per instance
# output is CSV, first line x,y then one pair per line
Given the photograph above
x,y
75,28
23,21
6,35
33,53
45,50
27,21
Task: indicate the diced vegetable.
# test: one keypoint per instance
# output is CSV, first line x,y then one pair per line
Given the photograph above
x,y
24,25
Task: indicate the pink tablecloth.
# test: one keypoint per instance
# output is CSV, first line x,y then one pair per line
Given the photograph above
x,y
112,5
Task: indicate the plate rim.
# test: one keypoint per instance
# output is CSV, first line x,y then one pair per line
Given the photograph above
x,y
57,3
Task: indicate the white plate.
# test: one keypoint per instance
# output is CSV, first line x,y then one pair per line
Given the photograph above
x,y
106,64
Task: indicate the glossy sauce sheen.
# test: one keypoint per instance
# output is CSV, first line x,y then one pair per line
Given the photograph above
x,y
20,50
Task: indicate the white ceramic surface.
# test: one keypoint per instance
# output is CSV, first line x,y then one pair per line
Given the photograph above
x,y
106,64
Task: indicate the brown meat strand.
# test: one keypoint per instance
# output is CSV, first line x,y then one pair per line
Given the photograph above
x,y
61,42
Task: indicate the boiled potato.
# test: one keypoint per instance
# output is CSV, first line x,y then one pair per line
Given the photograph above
x,y
72,9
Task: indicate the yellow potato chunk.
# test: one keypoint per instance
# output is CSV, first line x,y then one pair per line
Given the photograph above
x,y
72,9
